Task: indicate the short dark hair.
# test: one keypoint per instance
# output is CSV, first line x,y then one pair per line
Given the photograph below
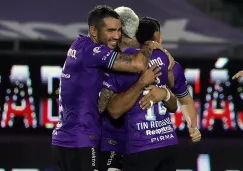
x,y
154,20
100,12
146,29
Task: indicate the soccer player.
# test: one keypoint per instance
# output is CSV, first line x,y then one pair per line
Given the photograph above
x,y
185,100
238,75
179,88
148,130
113,130
75,138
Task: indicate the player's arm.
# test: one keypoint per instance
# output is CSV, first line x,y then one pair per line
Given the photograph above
x,y
155,95
123,102
110,88
102,56
171,104
105,96
186,102
181,92
189,110
136,62
118,104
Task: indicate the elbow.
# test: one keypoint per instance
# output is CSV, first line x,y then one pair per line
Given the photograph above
x,y
114,113
114,116
174,109
170,84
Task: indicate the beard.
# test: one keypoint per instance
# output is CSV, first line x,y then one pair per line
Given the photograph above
x,y
101,39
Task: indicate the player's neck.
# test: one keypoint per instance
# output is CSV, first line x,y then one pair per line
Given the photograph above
x,y
93,38
128,43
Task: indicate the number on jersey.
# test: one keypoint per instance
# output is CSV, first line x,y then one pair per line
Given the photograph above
x,y
150,116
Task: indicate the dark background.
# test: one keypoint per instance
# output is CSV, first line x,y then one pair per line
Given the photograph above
x,y
21,147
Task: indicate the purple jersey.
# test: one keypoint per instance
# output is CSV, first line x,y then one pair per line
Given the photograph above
x,y
113,133
145,129
80,84
180,85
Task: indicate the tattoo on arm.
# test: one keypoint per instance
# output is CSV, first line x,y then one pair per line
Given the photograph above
x,y
146,52
136,62
124,58
104,99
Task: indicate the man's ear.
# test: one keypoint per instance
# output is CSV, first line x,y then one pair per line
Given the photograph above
x,y
161,39
93,31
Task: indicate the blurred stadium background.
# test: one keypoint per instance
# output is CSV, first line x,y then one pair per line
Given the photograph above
x,y
205,36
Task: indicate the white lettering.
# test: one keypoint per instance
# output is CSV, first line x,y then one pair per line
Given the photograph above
x,y
162,138
162,130
96,50
158,124
142,125
66,75
93,156
72,53
112,155
106,84
157,61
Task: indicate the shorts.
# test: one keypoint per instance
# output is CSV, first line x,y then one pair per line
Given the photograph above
x,y
75,159
159,159
110,161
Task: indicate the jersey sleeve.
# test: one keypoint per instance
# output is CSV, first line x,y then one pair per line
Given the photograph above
x,y
100,56
180,87
111,82
130,50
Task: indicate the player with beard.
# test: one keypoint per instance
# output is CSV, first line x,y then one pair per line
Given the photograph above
x,y
148,130
75,138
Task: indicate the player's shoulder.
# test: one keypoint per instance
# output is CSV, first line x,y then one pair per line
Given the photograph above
x,y
130,50
84,42
178,71
81,41
177,67
160,55
159,52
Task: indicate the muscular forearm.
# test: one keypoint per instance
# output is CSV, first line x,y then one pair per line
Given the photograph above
x,y
189,110
171,104
133,63
105,96
122,102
